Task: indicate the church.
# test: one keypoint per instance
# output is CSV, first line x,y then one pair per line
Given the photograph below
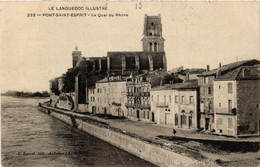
x,y
85,72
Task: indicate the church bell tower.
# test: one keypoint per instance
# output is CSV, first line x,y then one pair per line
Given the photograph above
x,y
153,40
76,56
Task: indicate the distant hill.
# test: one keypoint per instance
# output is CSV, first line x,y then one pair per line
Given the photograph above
x,y
25,94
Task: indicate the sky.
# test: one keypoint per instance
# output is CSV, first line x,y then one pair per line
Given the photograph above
x,y
37,49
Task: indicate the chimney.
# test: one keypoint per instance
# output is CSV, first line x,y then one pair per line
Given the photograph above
x,y
187,76
219,73
207,67
219,65
243,72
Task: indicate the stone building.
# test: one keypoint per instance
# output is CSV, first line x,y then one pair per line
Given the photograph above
x,y
76,56
205,81
236,102
85,72
138,98
153,40
92,100
110,97
126,63
176,105
161,105
97,64
138,93
188,74
150,59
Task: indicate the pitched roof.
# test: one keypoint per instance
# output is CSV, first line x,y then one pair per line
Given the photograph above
x,y
228,67
242,73
179,86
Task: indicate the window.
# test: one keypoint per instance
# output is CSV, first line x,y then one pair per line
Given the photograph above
x,y
257,106
191,100
93,98
229,105
164,101
152,98
230,88
204,79
151,46
209,90
157,99
176,119
170,99
176,99
155,47
97,90
219,104
219,87
182,99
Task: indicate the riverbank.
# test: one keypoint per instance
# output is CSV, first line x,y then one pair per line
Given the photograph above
x,y
162,137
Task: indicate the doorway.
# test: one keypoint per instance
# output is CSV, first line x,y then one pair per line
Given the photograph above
x,y
153,117
190,122
206,123
138,114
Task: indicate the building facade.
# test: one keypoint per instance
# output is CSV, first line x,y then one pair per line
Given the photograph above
x,y
236,102
176,105
111,96
205,81
138,99
153,40
92,99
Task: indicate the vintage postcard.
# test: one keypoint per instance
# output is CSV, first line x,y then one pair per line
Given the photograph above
x,y
130,84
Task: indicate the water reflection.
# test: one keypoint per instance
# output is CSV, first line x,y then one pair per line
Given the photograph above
x,y
32,138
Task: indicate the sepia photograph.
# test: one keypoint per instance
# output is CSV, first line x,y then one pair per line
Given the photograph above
x,y
130,84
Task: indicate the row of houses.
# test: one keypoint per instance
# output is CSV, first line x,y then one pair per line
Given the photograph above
x,y
136,85
224,101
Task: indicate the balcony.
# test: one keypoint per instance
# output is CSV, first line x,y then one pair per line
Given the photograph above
x,y
137,94
129,93
116,104
225,111
145,106
145,94
129,105
142,106
164,105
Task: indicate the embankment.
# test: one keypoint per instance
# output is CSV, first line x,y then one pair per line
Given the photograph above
x,y
141,148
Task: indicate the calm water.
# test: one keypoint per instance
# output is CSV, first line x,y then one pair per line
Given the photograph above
x,y
29,136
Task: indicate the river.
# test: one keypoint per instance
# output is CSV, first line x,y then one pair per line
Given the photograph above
x,y
32,138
